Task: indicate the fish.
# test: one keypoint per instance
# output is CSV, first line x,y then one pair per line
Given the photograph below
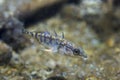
x,y
56,43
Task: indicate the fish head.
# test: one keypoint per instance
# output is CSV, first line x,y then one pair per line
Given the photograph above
x,y
79,52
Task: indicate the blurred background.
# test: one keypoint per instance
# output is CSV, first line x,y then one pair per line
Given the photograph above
x,y
93,25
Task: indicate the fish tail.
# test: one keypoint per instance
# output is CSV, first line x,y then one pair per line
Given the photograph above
x,y
33,34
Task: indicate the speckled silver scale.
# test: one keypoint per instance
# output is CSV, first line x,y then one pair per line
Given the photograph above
x,y
57,43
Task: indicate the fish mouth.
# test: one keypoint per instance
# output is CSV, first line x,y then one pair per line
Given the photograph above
x,y
84,55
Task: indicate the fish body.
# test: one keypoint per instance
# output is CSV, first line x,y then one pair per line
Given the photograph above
x,y
57,43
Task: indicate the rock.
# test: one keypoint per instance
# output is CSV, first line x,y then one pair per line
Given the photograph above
x,y
11,33
5,53
56,78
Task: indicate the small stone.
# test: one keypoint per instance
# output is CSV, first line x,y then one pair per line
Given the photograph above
x,y
111,42
91,78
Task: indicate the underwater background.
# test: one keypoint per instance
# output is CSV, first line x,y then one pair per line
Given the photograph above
x,y
93,25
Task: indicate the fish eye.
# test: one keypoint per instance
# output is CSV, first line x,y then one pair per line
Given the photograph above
x,y
76,51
